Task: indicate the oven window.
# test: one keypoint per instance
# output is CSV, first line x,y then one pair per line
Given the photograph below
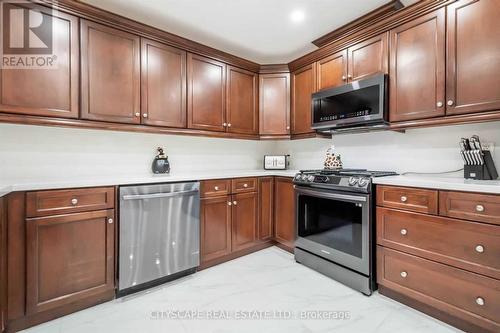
x,y
332,223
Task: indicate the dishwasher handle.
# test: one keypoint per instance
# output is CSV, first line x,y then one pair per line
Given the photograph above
x,y
160,195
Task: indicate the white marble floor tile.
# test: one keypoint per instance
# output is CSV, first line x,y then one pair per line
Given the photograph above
x,y
269,280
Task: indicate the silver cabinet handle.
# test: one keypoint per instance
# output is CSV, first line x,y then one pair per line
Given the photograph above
x,y
288,127
245,185
110,221
224,124
450,102
74,201
137,114
403,274
480,208
479,248
439,104
349,76
235,203
229,125
480,301
343,78
404,232
144,115
229,203
404,198
216,188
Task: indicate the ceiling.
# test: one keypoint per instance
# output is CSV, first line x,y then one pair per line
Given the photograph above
x,y
264,31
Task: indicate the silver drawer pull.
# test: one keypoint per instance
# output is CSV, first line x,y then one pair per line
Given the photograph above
x,y
110,221
479,248
404,198
404,274
74,201
479,208
245,185
480,301
216,188
404,232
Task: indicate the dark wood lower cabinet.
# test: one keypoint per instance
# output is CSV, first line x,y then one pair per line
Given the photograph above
x,y
284,212
244,220
215,228
69,258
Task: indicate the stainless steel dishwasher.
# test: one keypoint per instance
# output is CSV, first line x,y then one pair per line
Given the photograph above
x,y
159,234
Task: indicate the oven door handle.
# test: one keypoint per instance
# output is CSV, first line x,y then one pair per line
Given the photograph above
x,y
322,194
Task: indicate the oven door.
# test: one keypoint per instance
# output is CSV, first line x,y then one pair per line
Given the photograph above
x,y
335,226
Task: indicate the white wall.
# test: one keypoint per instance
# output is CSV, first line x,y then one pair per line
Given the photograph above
x,y
423,150
36,153
48,153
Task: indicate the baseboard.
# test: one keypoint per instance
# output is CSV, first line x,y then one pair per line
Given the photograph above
x,y
235,255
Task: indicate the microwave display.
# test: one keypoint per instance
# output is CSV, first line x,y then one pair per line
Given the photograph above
x,y
357,103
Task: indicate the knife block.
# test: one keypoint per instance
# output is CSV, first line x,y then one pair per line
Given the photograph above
x,y
487,171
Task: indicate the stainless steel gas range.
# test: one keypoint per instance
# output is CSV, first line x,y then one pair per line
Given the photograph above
x,y
335,215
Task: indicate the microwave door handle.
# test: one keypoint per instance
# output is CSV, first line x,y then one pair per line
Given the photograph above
x,y
159,195
331,195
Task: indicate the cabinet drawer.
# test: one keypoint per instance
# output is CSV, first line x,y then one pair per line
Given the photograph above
x,y
470,206
239,185
215,187
414,199
468,295
45,203
468,245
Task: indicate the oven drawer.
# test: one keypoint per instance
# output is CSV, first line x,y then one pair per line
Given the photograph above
x,y
468,245
413,199
215,188
470,206
458,292
54,202
241,185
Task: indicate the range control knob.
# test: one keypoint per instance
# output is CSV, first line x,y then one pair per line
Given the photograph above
x,y
353,181
304,177
363,182
310,178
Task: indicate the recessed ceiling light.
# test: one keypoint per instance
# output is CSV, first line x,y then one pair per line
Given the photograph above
x,y
297,16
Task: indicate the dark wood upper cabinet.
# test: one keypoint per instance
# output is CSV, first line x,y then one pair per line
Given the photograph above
x,y
368,58
266,208
244,220
69,258
206,93
215,228
110,74
417,58
303,86
274,104
284,211
241,108
51,91
332,70
163,85
473,57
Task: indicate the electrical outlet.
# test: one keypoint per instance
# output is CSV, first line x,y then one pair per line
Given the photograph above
x,y
490,146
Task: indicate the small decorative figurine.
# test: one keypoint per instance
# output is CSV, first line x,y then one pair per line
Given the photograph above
x,y
332,160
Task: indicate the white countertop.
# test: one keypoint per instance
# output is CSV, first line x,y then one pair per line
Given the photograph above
x,y
442,183
139,179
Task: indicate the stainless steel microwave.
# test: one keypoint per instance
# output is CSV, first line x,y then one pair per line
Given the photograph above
x,y
360,103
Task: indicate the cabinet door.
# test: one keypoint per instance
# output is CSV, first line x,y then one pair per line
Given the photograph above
x,y
49,91
69,258
245,219
417,78
332,70
266,208
473,62
284,211
274,104
215,228
163,85
303,85
369,57
206,93
110,74
242,114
